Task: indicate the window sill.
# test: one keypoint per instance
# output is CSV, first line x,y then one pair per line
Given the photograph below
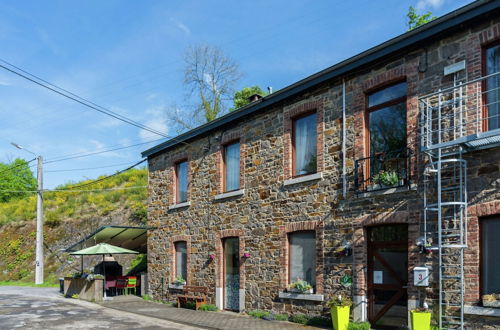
x,y
388,191
482,311
305,178
176,286
235,193
301,296
179,206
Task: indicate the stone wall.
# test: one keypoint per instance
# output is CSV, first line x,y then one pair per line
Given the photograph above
x,y
268,208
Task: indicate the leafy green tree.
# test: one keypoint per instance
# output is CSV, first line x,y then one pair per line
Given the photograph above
x,y
241,97
16,179
415,20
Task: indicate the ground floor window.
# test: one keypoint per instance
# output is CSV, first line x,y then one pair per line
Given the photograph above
x,y
302,256
490,231
181,260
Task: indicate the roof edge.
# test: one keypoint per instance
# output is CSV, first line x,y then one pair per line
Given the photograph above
x,y
398,43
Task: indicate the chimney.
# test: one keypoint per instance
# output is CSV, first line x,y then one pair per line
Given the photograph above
x,y
254,97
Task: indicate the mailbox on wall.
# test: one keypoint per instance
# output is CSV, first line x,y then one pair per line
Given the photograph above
x,y
421,276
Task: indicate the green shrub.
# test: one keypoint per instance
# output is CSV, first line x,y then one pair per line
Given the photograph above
x,y
358,326
208,308
299,318
190,305
146,297
320,321
281,317
258,313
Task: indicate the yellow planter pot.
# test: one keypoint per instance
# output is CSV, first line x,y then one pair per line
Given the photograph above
x,y
340,317
420,320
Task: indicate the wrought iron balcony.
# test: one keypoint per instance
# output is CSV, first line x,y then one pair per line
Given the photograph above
x,y
383,171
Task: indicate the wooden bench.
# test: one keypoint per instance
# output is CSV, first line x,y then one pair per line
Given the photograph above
x,y
188,295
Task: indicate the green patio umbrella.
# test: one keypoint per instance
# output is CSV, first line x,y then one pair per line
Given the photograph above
x,y
103,249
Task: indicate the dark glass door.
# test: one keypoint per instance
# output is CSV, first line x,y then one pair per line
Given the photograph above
x,y
388,276
232,274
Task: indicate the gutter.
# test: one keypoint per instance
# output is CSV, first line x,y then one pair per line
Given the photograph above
x,y
388,48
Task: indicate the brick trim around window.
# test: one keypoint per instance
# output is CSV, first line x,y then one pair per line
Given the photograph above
x,y
219,259
172,200
228,138
318,228
472,257
289,113
173,240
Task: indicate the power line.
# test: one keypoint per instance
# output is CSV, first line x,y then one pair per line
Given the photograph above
x,y
107,177
18,165
72,96
80,155
88,168
75,190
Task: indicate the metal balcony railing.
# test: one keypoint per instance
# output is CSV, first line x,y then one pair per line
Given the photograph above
x,y
383,171
467,114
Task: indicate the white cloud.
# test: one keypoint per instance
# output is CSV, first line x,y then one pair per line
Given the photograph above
x,y
427,4
156,121
181,26
4,83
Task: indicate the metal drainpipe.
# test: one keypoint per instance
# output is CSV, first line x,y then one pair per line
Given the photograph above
x,y
344,175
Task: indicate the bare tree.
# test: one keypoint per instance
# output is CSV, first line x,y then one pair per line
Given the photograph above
x,y
210,77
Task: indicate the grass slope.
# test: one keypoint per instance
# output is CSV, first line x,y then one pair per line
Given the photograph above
x,y
69,216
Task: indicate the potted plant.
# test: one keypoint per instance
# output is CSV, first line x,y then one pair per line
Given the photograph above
x,y
179,280
300,286
386,178
491,300
421,318
340,309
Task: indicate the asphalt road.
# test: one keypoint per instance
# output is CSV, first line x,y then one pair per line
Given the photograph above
x,y
44,308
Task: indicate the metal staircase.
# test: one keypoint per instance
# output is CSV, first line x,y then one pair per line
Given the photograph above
x,y
453,122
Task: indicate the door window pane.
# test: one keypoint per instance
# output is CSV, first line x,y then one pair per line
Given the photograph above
x,y
303,256
181,259
304,141
232,164
232,273
493,87
489,250
181,170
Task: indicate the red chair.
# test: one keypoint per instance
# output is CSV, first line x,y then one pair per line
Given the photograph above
x,y
111,284
121,284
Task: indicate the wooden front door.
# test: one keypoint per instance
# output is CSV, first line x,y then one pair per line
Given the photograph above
x,y
388,276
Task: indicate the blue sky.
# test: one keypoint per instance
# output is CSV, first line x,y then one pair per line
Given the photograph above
x,y
127,57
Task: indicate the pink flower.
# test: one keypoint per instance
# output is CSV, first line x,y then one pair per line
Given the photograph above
x,y
211,256
246,255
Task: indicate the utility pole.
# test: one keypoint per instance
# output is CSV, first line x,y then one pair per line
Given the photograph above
x,y
39,224
39,217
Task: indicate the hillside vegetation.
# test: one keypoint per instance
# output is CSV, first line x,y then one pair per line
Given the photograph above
x,y
69,216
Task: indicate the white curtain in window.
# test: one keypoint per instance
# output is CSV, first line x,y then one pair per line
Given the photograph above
x,y
182,182
181,259
305,145
303,256
232,162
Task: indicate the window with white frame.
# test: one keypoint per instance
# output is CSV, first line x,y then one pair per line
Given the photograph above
x,y
181,259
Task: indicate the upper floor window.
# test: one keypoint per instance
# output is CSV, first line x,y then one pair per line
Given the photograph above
x,y
492,56
181,174
232,166
304,145
490,231
387,119
302,256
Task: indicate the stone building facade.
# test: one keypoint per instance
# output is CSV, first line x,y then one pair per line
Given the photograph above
x,y
349,220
